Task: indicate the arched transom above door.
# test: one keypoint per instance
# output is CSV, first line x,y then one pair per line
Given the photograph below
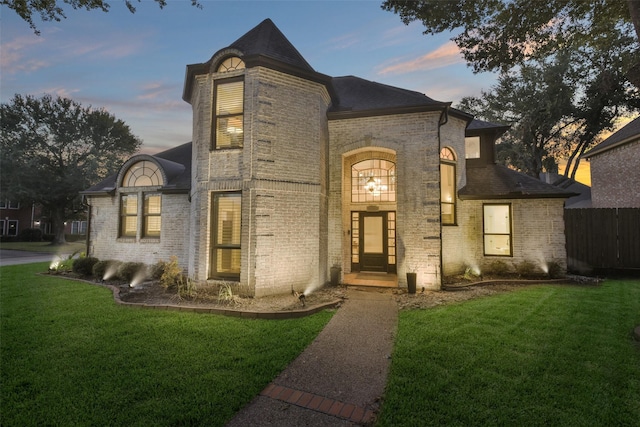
x,y
373,180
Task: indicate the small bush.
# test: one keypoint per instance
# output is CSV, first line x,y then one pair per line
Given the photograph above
x,y
30,235
84,265
526,269
172,274
101,268
157,270
497,267
225,294
128,270
555,270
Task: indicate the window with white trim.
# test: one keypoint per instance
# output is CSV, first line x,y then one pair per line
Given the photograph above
x,y
497,229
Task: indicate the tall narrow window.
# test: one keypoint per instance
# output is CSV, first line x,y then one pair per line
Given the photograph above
x,y
152,217
497,229
226,254
128,215
229,126
447,186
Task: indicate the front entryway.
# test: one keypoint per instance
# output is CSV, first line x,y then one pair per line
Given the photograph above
x,y
373,242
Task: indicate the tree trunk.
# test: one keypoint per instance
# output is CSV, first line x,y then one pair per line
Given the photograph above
x,y
57,225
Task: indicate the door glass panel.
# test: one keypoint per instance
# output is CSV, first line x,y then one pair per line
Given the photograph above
x,y
373,239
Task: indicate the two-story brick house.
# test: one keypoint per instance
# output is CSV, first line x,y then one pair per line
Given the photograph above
x,y
291,172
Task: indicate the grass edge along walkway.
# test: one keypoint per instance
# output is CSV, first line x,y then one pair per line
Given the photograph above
x,y
543,355
71,356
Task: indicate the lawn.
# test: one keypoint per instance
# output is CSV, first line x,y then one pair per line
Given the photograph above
x,y
545,355
71,356
68,248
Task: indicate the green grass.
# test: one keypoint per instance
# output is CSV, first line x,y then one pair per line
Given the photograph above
x,y
543,355
71,356
68,248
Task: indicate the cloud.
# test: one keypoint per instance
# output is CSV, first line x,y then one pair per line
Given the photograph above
x,y
443,56
13,59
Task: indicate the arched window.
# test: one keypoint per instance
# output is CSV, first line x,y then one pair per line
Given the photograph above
x,y
231,64
373,180
448,186
142,174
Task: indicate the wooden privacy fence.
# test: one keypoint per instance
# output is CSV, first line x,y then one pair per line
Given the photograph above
x,y
602,238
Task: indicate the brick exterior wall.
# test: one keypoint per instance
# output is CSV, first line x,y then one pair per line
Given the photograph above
x,y
106,245
411,140
538,235
281,172
615,175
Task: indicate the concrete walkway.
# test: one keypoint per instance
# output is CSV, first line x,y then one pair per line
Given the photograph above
x,y
339,379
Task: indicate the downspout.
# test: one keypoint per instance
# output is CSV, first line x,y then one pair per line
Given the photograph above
x,y
88,238
444,118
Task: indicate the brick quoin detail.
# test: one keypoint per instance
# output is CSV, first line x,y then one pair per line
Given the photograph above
x,y
314,402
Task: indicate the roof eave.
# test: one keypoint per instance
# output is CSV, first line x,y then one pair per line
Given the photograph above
x,y
351,114
595,151
515,196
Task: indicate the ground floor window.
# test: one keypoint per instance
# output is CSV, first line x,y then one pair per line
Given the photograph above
x,y
131,211
497,229
227,227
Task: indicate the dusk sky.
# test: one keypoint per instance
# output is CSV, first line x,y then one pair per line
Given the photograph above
x,y
133,65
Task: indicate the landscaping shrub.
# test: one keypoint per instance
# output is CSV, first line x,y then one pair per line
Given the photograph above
x,y
157,270
84,265
30,235
128,270
526,269
172,274
105,269
497,267
555,270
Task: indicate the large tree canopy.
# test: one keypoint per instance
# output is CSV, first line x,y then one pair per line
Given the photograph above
x,y
52,10
53,148
557,108
497,34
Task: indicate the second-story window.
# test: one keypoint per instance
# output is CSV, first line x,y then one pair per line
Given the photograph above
x,y
228,113
448,186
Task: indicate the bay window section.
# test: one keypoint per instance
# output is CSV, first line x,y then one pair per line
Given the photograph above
x,y
152,215
228,114
497,229
128,215
226,253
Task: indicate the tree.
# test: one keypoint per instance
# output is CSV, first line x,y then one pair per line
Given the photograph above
x,y
535,101
557,108
498,34
51,10
54,148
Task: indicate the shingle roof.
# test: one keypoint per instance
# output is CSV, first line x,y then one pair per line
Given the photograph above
x,y
626,134
266,39
500,182
176,163
477,124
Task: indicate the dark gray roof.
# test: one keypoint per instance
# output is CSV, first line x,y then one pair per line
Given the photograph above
x,y
354,96
500,182
175,163
622,136
481,125
267,40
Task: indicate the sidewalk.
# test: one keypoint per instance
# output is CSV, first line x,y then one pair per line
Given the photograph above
x,y
339,379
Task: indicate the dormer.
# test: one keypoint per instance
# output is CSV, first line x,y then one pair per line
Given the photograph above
x,y
480,139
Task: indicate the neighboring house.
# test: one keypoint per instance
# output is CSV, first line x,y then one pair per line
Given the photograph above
x,y
582,192
14,218
615,169
292,172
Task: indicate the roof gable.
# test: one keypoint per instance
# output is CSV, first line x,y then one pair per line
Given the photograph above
x,y
628,133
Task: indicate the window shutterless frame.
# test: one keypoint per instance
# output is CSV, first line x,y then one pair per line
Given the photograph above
x,y
226,230
228,114
497,229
